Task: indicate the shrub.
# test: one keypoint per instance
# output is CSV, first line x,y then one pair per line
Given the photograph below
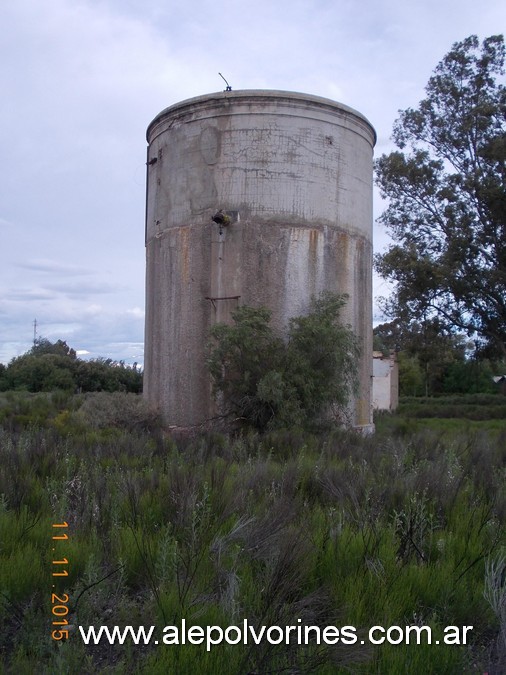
x,y
267,383
118,409
283,529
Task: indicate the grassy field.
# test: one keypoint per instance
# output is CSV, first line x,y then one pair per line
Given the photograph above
x,y
404,528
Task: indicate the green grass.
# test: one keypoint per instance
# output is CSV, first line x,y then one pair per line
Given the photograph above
x,y
399,426
463,413
338,529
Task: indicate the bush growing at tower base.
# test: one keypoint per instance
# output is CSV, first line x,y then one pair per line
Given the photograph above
x,y
268,383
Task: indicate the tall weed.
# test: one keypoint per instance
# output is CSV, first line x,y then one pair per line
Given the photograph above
x,y
329,529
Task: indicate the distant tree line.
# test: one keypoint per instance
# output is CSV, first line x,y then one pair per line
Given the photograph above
x,y
435,361
54,365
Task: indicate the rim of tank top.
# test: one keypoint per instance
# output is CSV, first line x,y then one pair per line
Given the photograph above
x,y
290,97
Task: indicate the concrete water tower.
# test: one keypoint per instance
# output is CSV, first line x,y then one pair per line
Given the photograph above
x,y
293,175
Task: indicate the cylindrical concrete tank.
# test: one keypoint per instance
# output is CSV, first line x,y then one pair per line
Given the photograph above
x,y
294,173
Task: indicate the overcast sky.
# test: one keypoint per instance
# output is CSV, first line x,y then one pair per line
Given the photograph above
x,y
81,80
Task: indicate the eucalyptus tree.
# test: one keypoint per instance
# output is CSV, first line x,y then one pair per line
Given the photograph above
x,y
446,193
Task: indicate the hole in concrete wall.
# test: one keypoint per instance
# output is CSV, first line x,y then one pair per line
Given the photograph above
x,y
225,218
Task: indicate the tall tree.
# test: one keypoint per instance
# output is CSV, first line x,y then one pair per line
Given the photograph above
x,y
447,198
44,346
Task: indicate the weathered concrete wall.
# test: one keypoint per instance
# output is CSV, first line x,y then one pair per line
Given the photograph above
x,y
296,171
385,381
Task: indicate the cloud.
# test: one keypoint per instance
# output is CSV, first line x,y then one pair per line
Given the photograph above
x,y
83,288
6,223
136,312
83,79
118,335
53,266
27,295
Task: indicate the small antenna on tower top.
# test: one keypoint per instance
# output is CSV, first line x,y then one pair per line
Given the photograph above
x,y
229,88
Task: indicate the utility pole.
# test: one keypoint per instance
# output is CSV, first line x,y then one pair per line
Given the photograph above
x,y
34,331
